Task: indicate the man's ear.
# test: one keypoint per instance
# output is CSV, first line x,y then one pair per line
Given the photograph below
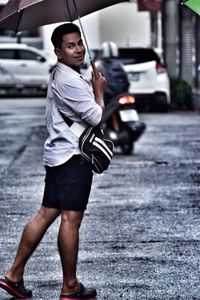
x,y
58,53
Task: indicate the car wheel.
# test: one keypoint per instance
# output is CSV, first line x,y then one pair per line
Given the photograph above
x,y
161,103
127,148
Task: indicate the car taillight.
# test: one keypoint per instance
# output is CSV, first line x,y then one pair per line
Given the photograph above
x,y
160,68
126,100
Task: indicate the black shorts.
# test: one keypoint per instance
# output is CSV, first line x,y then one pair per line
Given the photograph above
x,y
67,187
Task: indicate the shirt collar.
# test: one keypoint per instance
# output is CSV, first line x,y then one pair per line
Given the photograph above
x,y
66,68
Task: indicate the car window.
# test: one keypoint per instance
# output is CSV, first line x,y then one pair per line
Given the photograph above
x,y
27,55
7,54
138,55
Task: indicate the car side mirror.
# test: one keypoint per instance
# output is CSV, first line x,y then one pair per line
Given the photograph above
x,y
41,58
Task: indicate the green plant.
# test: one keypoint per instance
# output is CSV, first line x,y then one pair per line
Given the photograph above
x,y
181,93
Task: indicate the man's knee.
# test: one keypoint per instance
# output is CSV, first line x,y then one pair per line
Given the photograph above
x,y
72,217
47,214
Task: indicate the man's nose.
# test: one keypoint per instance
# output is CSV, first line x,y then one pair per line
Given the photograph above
x,y
79,48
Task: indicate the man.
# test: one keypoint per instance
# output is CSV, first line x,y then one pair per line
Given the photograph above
x,y
68,176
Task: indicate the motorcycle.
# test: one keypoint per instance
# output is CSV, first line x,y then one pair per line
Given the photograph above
x,y
121,122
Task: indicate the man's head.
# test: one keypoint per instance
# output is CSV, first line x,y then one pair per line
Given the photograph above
x,y
68,45
60,31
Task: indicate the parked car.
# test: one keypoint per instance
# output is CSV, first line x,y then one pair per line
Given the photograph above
x,y
6,78
27,66
148,77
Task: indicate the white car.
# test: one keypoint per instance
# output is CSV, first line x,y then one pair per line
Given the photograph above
x,y
6,78
148,77
28,67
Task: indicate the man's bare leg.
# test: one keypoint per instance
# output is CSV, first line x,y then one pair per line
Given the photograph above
x,y
31,237
68,242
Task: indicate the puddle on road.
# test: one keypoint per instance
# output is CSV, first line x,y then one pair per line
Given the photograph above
x,y
195,143
196,177
150,163
143,163
5,114
16,214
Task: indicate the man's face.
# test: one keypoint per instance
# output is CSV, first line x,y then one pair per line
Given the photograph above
x,y
72,50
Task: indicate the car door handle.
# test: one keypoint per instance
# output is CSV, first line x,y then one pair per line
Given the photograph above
x,y
23,65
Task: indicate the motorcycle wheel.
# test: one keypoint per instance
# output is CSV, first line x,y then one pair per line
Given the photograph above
x,y
127,148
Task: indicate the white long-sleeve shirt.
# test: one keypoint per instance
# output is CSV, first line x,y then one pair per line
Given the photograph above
x,y
73,95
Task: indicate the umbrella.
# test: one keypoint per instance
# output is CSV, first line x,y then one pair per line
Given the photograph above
x,y
19,15
193,4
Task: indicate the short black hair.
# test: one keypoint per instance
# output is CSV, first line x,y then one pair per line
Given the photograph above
x,y
60,31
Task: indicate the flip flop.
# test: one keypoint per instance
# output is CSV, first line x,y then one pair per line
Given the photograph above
x,y
15,289
85,293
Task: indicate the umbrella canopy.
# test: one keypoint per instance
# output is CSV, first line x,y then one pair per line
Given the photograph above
x,y
19,15
193,4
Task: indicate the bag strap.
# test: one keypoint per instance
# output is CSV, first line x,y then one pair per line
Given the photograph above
x,y
75,127
66,119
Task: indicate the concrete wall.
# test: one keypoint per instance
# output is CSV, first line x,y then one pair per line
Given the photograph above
x,y
126,26
171,38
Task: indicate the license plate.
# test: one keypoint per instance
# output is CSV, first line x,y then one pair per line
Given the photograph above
x,y
129,115
133,76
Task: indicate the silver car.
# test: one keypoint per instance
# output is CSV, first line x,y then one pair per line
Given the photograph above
x,y
27,66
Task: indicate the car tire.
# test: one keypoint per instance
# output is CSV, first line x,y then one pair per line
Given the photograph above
x,y
162,103
127,148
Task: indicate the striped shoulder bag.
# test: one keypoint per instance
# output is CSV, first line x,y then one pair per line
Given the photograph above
x,y
95,147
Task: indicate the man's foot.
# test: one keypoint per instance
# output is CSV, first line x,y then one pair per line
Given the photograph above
x,y
15,289
84,293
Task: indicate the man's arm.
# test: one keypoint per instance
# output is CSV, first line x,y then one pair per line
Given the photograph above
x,y
99,84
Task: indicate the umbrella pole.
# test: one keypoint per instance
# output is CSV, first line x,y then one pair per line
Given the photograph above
x,y
96,74
88,50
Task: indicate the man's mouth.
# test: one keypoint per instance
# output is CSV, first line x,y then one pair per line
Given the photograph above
x,y
81,57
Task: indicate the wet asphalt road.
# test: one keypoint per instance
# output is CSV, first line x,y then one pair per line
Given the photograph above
x,y
140,238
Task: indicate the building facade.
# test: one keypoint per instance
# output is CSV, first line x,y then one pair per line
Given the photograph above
x,y
181,30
